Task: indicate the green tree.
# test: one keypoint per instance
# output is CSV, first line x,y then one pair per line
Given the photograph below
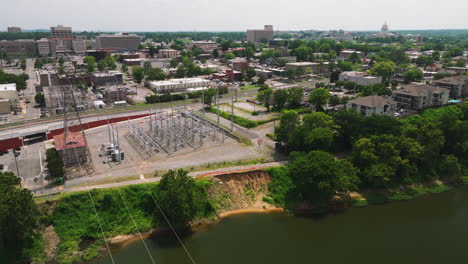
x,y
124,68
385,69
18,220
215,53
138,74
319,97
180,200
101,65
151,50
280,98
318,176
413,75
40,99
110,62
265,96
156,74
354,58
295,97
90,63
229,56
61,61
54,164
289,122
147,67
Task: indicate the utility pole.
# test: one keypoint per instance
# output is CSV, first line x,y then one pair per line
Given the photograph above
x,y
232,113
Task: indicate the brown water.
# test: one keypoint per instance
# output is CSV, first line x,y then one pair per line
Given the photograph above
x,y
431,229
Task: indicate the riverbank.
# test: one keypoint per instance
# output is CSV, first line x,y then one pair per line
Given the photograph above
x,y
230,194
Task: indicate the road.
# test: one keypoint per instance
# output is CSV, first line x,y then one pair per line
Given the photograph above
x,y
157,179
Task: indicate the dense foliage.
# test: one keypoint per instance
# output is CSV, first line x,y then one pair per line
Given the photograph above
x,y
382,151
20,80
125,210
54,164
18,220
161,98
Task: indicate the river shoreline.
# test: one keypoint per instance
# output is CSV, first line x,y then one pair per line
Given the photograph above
x,y
121,241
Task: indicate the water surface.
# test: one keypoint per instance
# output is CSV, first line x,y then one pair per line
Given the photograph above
x,y
431,229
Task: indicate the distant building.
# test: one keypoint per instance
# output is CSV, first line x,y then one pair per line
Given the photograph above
x,y
373,105
118,42
458,85
384,29
418,97
360,78
107,78
204,45
278,43
115,95
71,150
61,32
43,47
457,70
14,29
97,54
240,64
260,35
133,62
313,67
79,46
168,53
264,73
63,38
158,63
18,48
344,54
179,85
8,98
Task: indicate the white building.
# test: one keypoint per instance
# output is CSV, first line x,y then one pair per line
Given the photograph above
x,y
79,46
204,45
360,78
168,53
178,85
158,63
9,92
373,105
43,47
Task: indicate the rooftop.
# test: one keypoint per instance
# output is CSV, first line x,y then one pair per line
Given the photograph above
x,y
74,140
8,87
178,81
461,79
373,101
107,74
420,90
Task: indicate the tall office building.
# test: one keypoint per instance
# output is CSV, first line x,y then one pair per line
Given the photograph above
x,y
120,42
61,32
259,35
63,38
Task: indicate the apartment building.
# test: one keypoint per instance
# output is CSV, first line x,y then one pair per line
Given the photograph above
x,y
179,85
458,85
418,97
373,105
14,29
118,42
240,64
360,78
168,53
344,54
18,48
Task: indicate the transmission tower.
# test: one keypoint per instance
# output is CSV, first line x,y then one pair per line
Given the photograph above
x,y
72,124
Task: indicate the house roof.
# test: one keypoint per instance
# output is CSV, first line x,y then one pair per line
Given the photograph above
x,y
372,101
74,140
420,90
461,79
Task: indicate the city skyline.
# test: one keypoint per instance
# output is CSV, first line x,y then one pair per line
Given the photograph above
x,y
201,15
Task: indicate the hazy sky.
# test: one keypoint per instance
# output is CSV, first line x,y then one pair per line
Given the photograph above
x,y
233,15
